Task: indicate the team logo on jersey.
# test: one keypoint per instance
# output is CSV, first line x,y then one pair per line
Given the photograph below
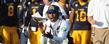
x,y
64,28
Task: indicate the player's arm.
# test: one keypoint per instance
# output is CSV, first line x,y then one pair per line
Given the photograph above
x,y
71,19
71,16
42,27
91,20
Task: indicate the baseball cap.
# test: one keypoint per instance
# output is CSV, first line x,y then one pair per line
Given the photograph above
x,y
53,9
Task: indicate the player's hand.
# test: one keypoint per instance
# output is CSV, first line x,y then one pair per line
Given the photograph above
x,y
93,22
42,27
40,24
48,35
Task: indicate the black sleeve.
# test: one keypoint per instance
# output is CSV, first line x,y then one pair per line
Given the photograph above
x,y
28,18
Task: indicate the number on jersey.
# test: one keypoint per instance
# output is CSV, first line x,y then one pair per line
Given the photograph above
x,y
80,15
10,10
